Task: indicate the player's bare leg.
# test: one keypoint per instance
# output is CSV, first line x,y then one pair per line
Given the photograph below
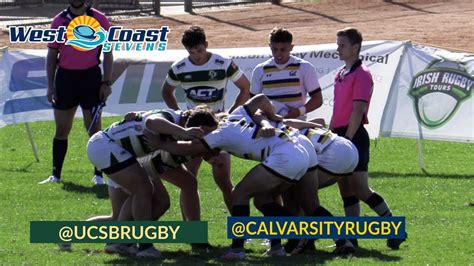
x,y
189,195
256,182
221,172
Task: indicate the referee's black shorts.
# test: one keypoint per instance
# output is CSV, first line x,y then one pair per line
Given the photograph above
x,y
362,142
77,87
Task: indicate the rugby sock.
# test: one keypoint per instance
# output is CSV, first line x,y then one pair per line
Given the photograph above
x,y
97,172
378,204
143,246
274,209
239,210
59,153
351,206
321,211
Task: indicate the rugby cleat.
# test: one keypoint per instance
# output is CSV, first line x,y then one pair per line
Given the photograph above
x,y
201,247
150,252
65,246
51,179
275,252
395,243
354,242
304,245
122,249
98,180
232,255
344,247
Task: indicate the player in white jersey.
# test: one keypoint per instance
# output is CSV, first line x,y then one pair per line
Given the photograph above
x,y
203,76
115,151
287,79
286,164
337,156
158,165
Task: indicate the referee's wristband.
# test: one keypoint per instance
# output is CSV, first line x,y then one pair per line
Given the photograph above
x,y
302,110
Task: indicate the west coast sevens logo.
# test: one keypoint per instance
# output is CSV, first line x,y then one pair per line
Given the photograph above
x,y
84,33
439,90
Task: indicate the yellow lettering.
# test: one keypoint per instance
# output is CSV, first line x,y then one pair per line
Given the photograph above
x,y
250,232
271,232
114,232
76,233
328,226
350,227
396,226
385,228
314,228
292,228
363,232
281,229
304,228
103,232
162,232
89,234
125,232
262,228
150,232
174,232
339,227
373,231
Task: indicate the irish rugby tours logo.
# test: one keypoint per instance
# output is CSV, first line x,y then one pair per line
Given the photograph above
x,y
84,33
439,90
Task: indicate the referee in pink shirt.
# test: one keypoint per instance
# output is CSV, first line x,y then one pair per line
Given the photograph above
x,y
75,78
353,87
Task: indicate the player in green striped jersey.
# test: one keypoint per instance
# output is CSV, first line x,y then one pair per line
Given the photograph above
x,y
203,76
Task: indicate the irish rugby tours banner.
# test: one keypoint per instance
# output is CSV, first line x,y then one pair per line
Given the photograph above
x,y
138,77
431,96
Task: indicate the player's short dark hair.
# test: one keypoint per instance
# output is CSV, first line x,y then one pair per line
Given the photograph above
x,y
201,115
353,34
193,36
281,35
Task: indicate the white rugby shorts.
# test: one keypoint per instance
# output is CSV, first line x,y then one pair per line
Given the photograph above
x,y
340,157
288,160
107,155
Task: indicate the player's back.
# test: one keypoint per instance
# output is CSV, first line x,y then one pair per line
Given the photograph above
x,y
319,137
240,136
130,133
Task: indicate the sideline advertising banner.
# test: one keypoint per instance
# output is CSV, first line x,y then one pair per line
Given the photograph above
x,y
431,96
405,85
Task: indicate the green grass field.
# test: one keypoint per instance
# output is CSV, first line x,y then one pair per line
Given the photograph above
x,y
439,220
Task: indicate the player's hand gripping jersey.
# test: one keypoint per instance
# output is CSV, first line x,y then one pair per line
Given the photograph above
x,y
130,134
240,136
281,154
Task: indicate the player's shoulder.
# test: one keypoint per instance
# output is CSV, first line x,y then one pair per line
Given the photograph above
x,y
265,64
300,61
303,65
220,60
181,64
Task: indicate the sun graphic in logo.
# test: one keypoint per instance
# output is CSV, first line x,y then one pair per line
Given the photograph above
x,y
84,33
